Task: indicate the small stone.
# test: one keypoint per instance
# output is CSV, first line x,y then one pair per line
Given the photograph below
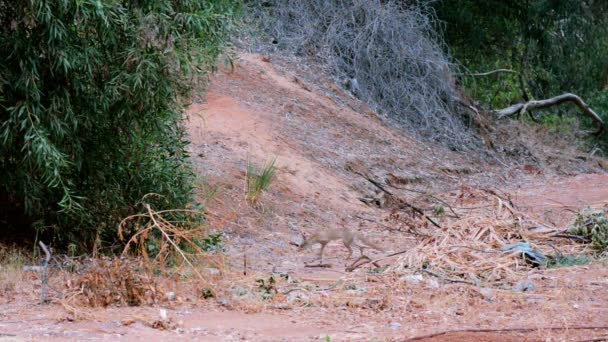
x,y
432,283
357,291
240,291
395,325
412,278
212,271
487,293
170,296
525,286
296,296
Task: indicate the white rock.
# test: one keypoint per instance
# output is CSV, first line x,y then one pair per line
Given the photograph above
x,y
412,278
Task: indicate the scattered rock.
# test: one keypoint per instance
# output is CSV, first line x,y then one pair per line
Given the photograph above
x,y
297,296
395,325
170,296
487,293
432,283
356,291
413,279
212,271
525,286
240,291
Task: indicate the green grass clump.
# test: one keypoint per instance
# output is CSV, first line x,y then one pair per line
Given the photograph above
x,y
259,180
566,260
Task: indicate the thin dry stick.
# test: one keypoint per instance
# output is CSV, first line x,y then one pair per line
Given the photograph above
x,y
490,72
318,265
45,264
452,280
430,196
403,203
172,243
244,264
424,337
352,267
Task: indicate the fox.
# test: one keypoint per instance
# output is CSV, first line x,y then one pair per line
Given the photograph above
x,y
348,237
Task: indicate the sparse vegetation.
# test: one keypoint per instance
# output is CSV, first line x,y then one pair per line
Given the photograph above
x,y
259,179
267,287
563,260
592,225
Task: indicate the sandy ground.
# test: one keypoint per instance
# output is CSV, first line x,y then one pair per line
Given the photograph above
x,y
319,134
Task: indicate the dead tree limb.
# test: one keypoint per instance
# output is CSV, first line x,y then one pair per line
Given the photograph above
x,y
521,108
402,203
45,265
490,72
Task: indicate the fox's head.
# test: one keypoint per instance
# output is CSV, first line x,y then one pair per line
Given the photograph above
x,y
305,242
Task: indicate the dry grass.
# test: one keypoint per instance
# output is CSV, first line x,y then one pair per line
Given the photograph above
x,y
12,260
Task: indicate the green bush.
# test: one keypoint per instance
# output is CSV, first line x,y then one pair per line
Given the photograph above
x,y
91,98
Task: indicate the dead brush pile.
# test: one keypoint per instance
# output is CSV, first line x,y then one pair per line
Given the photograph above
x,y
160,245
117,282
469,247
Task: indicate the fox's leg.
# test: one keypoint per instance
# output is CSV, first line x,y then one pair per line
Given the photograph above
x,y
321,252
350,250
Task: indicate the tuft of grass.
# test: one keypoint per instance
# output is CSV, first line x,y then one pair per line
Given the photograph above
x,y
593,226
259,180
11,262
566,260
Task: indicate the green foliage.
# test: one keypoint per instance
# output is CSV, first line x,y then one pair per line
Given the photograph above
x,y
91,98
557,123
207,293
555,46
213,242
565,260
259,180
439,210
267,287
592,225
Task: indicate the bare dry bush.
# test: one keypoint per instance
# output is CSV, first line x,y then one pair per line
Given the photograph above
x,y
388,53
117,282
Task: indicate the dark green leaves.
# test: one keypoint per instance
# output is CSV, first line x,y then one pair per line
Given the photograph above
x,y
90,119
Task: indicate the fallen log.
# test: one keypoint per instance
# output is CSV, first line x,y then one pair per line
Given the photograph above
x,y
523,107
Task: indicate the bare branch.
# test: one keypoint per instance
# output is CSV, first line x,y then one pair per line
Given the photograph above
x,y
497,71
521,108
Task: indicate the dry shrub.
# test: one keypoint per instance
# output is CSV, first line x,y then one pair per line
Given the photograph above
x,y
387,51
176,242
11,261
117,282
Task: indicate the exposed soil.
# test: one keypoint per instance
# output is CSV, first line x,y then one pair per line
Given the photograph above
x,y
321,136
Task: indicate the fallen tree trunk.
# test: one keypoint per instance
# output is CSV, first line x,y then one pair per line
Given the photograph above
x,y
521,108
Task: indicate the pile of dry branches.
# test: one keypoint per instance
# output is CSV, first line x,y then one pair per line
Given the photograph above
x,y
387,53
117,282
467,248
